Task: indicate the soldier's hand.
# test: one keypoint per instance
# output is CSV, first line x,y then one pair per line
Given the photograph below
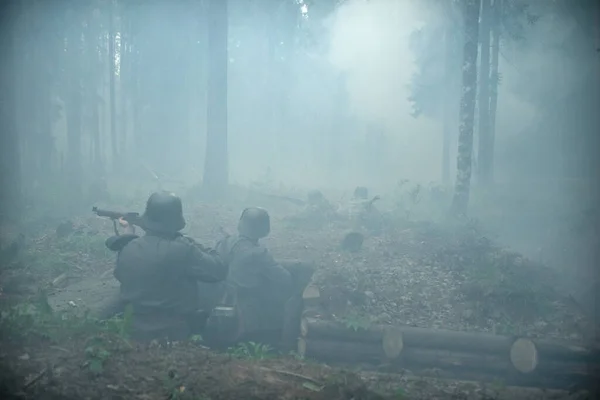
x,y
126,225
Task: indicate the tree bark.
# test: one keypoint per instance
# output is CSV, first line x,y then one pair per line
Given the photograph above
x,y
412,337
484,95
111,84
460,202
494,80
216,169
455,365
124,93
74,113
10,161
333,351
448,104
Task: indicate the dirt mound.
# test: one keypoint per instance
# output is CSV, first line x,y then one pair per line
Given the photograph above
x,y
429,275
413,273
103,367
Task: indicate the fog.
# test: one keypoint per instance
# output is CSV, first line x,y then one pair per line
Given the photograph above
x,y
319,98
361,104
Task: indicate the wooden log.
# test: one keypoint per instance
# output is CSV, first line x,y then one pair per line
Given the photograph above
x,y
390,349
528,355
451,360
328,330
447,364
560,350
411,336
524,355
392,342
347,352
311,296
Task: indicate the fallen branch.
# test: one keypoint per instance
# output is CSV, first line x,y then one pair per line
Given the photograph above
x,y
293,375
36,378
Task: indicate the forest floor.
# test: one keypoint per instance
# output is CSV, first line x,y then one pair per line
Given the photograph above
x,y
411,273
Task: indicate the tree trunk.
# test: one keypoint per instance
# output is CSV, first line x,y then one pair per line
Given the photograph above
x,y
483,157
10,160
448,104
460,202
111,83
74,113
124,72
272,81
216,169
494,80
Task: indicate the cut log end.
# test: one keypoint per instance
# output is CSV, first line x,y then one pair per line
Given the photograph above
x,y
301,347
311,296
524,355
392,342
304,327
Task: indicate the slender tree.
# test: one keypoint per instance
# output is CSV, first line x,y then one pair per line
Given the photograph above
x,y
450,105
73,99
460,201
111,82
216,169
494,81
483,158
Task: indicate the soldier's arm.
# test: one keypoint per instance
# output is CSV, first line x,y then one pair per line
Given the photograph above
x,y
204,264
117,243
271,269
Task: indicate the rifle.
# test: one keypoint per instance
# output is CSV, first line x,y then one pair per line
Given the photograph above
x,y
133,218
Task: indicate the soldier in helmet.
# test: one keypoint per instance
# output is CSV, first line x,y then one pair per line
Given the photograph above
x,y
159,271
265,289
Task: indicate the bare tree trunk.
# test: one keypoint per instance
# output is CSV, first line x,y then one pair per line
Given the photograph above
x,y
216,169
111,83
448,104
494,79
483,154
10,156
74,112
124,72
460,202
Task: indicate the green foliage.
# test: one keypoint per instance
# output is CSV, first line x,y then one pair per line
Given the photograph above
x,y
355,321
251,351
297,356
36,319
96,355
121,324
196,339
400,394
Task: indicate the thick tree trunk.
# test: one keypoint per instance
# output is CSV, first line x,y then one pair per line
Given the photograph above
x,y
216,169
483,157
460,202
10,161
111,84
494,75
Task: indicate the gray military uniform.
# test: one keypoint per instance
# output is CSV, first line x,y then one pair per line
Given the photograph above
x,y
262,285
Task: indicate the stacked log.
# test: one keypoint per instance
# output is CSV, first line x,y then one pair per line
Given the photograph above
x,y
451,354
